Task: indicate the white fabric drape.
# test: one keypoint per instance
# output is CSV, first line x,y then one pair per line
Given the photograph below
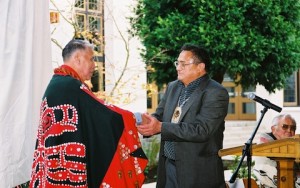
x,y
25,70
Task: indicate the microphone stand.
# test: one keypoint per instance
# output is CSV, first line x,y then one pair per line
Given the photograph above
x,y
247,150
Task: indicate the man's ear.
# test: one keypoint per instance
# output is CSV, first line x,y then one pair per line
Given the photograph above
x,y
201,67
76,57
273,128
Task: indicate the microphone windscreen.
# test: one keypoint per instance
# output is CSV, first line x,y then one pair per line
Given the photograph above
x,y
251,96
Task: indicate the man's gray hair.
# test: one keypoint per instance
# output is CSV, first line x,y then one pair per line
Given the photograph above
x,y
277,118
74,45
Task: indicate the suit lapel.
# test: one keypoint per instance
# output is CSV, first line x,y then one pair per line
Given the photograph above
x,y
194,96
175,93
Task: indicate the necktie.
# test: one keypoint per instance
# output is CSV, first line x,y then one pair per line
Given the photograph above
x,y
169,148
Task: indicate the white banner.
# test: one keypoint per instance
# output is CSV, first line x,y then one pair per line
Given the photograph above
x,y
25,70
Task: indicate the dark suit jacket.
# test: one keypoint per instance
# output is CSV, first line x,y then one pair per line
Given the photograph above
x,y
198,136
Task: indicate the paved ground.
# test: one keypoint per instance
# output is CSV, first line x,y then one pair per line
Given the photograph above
x,y
149,185
227,174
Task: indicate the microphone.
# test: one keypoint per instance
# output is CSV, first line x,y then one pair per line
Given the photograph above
x,y
264,102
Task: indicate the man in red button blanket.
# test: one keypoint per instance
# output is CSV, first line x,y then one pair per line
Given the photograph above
x,y
81,141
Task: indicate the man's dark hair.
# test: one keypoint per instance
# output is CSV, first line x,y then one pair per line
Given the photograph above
x,y
74,45
200,54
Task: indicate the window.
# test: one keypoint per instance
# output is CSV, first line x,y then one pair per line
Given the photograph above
x,y
80,21
80,4
292,90
239,107
154,97
89,25
94,23
94,5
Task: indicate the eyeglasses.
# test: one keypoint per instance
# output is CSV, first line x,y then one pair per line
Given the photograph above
x,y
176,63
286,127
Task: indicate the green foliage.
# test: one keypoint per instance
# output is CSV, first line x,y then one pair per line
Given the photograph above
x,y
151,148
243,171
256,39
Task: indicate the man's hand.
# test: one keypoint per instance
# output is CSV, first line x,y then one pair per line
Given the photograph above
x,y
150,125
145,119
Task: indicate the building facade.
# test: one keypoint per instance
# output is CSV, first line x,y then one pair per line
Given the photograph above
x,y
122,73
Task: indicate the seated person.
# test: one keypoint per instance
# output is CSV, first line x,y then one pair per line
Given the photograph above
x,y
283,126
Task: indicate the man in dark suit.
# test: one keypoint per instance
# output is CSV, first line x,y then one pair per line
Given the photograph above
x,y
190,118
